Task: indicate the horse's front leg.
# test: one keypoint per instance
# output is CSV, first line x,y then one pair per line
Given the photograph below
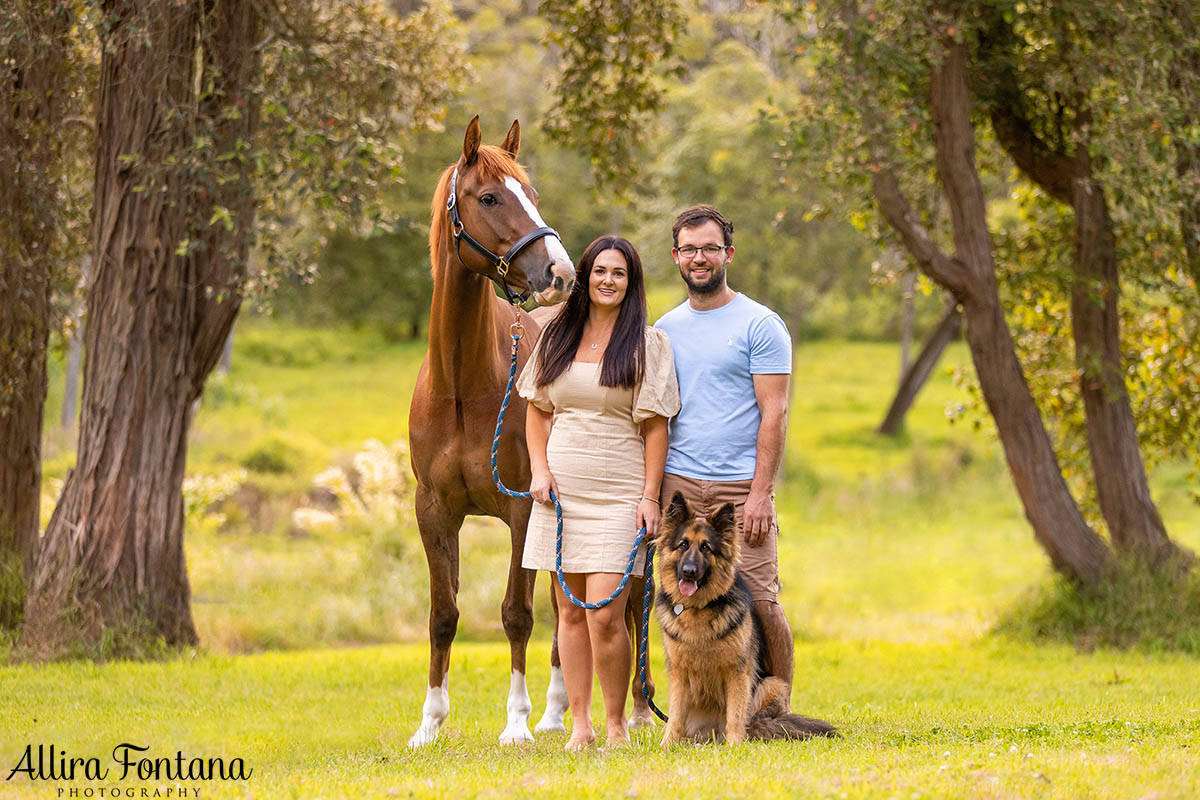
x,y
439,536
642,717
557,701
517,616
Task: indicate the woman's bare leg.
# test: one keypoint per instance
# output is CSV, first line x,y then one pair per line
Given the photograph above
x,y
610,649
575,652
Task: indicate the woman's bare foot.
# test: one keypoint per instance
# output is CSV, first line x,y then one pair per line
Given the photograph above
x,y
618,734
580,740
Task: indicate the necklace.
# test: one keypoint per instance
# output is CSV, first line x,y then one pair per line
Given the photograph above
x,y
595,345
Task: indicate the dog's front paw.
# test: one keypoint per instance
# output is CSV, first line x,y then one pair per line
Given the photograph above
x,y
670,737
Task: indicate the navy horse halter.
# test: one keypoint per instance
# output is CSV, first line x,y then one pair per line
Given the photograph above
x,y
501,263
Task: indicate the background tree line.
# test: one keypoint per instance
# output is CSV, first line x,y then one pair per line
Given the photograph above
x,y
1036,162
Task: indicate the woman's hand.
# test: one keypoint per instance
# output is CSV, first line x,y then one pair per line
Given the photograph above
x,y
647,517
541,485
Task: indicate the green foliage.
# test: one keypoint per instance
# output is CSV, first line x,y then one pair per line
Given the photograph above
x,y
1134,608
612,53
274,456
382,281
342,84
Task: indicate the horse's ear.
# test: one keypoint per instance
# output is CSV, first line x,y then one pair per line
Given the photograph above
x,y
471,141
512,142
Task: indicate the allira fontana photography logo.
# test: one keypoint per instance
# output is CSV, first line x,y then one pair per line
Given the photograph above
x,y
128,762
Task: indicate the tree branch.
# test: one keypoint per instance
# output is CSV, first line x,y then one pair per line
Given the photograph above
x,y
998,86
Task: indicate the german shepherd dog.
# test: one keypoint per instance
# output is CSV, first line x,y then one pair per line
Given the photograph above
x,y
719,686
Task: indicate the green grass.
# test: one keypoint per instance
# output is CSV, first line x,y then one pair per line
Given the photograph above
x,y
899,558
993,719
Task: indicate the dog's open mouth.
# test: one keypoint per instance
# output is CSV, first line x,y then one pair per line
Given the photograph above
x,y
688,588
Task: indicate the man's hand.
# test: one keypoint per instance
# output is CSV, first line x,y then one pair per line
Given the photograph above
x,y
757,516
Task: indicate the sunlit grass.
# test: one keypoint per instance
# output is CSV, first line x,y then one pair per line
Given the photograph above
x,y
996,720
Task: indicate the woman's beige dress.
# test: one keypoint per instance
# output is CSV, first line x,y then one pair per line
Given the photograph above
x,y
595,454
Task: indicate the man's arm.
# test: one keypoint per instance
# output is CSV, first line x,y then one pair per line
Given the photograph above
x,y
771,392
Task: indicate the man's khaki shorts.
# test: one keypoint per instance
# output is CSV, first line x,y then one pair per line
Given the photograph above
x,y
759,566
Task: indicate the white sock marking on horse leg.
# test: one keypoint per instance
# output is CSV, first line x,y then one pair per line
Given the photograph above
x,y
556,704
554,247
517,729
433,713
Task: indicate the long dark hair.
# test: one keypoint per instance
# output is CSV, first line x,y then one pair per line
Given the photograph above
x,y
625,358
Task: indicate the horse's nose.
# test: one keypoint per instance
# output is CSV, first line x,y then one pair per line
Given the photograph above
x,y
562,285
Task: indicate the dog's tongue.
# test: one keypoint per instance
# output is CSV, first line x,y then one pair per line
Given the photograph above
x,y
688,588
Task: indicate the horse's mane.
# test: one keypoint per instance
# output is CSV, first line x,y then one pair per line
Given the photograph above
x,y
493,163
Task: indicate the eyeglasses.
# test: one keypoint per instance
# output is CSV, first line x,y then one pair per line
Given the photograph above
x,y
709,250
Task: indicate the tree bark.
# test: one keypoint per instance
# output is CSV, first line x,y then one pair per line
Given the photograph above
x,y
1122,487
1074,548
916,373
32,78
112,564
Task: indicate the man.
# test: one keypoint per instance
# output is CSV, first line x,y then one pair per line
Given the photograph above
x,y
733,357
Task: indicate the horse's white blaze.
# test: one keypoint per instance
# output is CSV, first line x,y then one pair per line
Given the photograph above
x,y
517,729
554,247
433,713
556,703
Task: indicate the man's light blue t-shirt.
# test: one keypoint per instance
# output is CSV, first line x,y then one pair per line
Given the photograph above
x,y
715,435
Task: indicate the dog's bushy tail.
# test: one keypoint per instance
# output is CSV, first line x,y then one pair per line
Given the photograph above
x,y
765,727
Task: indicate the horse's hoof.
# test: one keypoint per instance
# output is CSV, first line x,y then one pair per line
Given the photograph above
x,y
516,735
642,718
425,735
551,723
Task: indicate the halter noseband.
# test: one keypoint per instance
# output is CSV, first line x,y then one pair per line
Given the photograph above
x,y
501,263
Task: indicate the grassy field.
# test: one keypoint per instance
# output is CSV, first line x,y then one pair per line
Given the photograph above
x,y
898,560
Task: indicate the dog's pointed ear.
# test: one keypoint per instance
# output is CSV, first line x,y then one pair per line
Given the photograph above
x,y
512,142
677,511
723,521
471,141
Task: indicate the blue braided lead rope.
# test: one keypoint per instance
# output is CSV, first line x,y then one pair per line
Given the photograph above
x,y
558,540
644,642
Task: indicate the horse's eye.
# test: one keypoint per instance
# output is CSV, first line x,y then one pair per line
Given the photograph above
x,y
489,200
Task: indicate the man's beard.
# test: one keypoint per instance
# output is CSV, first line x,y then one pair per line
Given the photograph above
x,y
716,279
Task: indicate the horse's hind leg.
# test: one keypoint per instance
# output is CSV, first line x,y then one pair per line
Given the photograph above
x,y
556,693
439,536
641,717
517,615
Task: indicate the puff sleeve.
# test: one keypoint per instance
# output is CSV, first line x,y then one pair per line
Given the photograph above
x,y
526,388
658,393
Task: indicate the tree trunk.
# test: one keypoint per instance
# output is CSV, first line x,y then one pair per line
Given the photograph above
x,y
1073,547
1121,485
1122,488
32,77
1184,81
112,564
916,373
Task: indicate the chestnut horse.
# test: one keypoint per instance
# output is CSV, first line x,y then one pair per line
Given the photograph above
x,y
459,390
484,201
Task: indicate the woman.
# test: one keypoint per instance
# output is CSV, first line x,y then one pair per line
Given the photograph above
x,y
600,386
